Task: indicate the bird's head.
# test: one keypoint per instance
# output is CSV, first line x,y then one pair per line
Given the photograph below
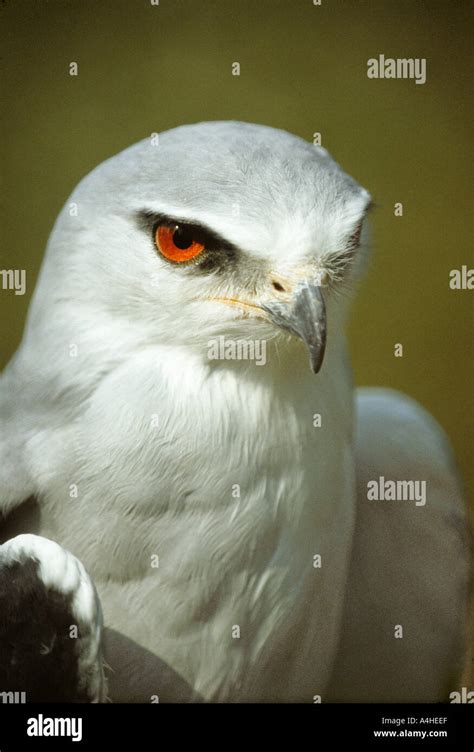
x,y
221,228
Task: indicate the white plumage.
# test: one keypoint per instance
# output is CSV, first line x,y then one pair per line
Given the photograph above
x,y
197,493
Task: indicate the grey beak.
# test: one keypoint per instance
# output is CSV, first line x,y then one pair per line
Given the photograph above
x,y
304,315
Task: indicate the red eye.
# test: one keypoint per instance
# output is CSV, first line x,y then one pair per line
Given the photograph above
x,y
177,243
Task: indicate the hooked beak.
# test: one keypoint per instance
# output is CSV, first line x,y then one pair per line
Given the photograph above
x,y
304,314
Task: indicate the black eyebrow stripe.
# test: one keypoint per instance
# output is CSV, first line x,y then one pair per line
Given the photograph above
x,y
211,238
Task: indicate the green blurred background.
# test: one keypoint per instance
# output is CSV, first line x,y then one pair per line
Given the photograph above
x,y
145,68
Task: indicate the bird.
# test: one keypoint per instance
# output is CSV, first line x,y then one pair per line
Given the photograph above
x,y
215,509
